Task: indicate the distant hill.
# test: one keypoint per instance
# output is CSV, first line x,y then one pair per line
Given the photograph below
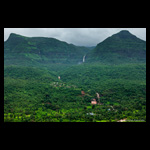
x,y
122,47
21,50
119,48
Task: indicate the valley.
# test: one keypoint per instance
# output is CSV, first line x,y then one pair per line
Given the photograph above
x,y
46,80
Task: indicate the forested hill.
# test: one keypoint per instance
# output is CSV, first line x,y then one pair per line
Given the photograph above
x,y
43,81
21,50
122,47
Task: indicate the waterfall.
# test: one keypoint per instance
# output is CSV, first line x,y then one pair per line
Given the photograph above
x,y
84,58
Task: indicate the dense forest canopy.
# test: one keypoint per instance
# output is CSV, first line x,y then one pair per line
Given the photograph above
x,y
47,80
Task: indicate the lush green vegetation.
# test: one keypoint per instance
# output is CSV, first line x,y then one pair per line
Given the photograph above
x,y
120,48
20,50
37,95
33,92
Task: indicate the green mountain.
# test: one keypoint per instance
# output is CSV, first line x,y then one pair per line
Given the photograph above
x,y
122,47
33,91
32,51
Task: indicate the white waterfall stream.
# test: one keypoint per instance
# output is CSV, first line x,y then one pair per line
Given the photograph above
x,y
84,58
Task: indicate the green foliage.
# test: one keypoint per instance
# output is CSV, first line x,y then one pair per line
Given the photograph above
x,y
33,92
122,47
41,51
35,95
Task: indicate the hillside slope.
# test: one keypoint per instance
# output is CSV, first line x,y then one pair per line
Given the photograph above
x,y
34,93
21,50
122,47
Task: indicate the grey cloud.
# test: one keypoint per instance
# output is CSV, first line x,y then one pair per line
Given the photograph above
x,y
77,36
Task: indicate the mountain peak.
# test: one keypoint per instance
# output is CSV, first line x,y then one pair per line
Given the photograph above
x,y
125,34
14,36
124,31
119,48
11,34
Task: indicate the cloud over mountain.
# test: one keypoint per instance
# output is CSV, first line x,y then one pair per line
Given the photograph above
x,y
77,36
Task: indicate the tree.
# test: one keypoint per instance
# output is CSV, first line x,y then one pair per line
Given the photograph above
x,y
85,108
93,106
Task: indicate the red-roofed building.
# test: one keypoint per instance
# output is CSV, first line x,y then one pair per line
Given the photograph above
x,y
83,93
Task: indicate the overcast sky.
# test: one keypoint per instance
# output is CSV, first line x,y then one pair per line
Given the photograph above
x,y
76,36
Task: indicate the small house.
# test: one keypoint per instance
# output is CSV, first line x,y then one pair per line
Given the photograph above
x,y
93,101
83,93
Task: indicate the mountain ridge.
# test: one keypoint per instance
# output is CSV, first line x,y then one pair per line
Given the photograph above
x,y
41,86
42,50
122,47
119,47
